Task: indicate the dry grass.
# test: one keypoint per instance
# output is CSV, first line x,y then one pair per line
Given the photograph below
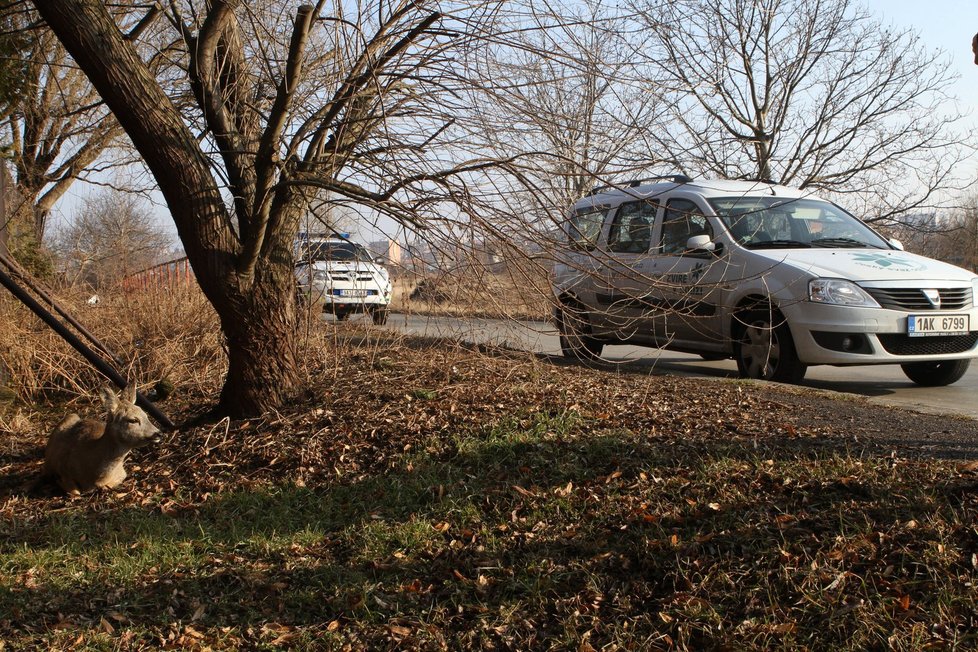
x,y
170,335
514,292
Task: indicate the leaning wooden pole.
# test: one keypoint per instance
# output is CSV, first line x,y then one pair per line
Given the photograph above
x,y
18,274
93,358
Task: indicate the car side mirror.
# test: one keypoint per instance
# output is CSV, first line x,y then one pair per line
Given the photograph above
x,y
700,243
379,260
896,244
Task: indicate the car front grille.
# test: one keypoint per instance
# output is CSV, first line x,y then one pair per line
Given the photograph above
x,y
899,344
914,299
344,276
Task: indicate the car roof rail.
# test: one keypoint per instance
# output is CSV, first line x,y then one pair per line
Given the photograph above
x,y
634,183
675,178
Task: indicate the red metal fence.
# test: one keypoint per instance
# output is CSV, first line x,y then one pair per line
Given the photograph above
x,y
171,274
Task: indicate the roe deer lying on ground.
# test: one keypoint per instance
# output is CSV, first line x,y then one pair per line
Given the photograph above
x,y
83,454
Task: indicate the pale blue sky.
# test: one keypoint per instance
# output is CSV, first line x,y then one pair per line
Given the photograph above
x,y
949,25
945,24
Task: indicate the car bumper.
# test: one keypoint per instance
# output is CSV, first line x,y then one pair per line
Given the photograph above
x,y
843,335
349,297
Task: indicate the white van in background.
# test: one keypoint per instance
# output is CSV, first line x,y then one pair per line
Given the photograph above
x,y
771,276
342,275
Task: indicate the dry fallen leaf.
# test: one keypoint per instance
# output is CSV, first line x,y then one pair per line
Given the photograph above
x,y
412,587
523,492
399,631
193,633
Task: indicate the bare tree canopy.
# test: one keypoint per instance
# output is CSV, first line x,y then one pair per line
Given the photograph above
x,y
260,111
812,93
568,106
111,235
57,126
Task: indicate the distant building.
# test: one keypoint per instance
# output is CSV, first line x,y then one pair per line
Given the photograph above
x,y
390,250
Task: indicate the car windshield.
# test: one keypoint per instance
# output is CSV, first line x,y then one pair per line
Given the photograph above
x,y
335,251
775,222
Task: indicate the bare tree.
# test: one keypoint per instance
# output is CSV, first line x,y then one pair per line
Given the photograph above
x,y
568,107
263,115
950,235
110,236
812,93
13,44
58,127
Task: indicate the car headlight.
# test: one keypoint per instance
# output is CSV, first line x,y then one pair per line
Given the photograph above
x,y
974,291
320,275
839,292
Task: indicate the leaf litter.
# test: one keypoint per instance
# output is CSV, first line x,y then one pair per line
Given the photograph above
x,y
509,503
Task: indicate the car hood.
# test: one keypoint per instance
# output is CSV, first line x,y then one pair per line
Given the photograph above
x,y
866,264
346,266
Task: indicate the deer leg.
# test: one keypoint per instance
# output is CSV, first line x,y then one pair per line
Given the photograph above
x,y
70,487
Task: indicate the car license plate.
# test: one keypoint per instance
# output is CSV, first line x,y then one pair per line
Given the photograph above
x,y
923,325
352,293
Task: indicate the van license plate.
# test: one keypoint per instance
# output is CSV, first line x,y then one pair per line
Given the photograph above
x,y
352,293
923,325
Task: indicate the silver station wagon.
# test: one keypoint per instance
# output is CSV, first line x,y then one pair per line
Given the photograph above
x,y
771,276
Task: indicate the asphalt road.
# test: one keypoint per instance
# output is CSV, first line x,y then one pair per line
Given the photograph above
x,y
883,384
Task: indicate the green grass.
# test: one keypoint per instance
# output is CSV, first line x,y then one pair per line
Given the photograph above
x,y
546,530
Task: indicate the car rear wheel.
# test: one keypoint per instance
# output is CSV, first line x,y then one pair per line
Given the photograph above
x,y
937,373
576,341
766,351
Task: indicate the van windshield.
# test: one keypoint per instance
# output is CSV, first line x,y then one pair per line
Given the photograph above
x,y
774,222
334,251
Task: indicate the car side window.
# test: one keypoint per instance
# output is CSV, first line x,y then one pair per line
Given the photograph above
x,y
585,228
683,219
631,230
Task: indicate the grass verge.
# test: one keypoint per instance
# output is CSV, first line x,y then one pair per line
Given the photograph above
x,y
422,497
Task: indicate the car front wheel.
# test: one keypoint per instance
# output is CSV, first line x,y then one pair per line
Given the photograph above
x,y
765,350
576,341
937,373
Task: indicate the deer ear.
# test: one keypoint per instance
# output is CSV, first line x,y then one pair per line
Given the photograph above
x,y
109,398
129,393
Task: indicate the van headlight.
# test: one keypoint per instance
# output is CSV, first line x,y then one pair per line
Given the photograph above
x,y
839,292
974,291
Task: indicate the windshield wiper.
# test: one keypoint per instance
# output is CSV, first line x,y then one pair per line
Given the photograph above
x,y
778,244
841,242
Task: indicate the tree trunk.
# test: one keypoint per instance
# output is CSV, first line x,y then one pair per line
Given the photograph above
x,y
262,358
258,315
